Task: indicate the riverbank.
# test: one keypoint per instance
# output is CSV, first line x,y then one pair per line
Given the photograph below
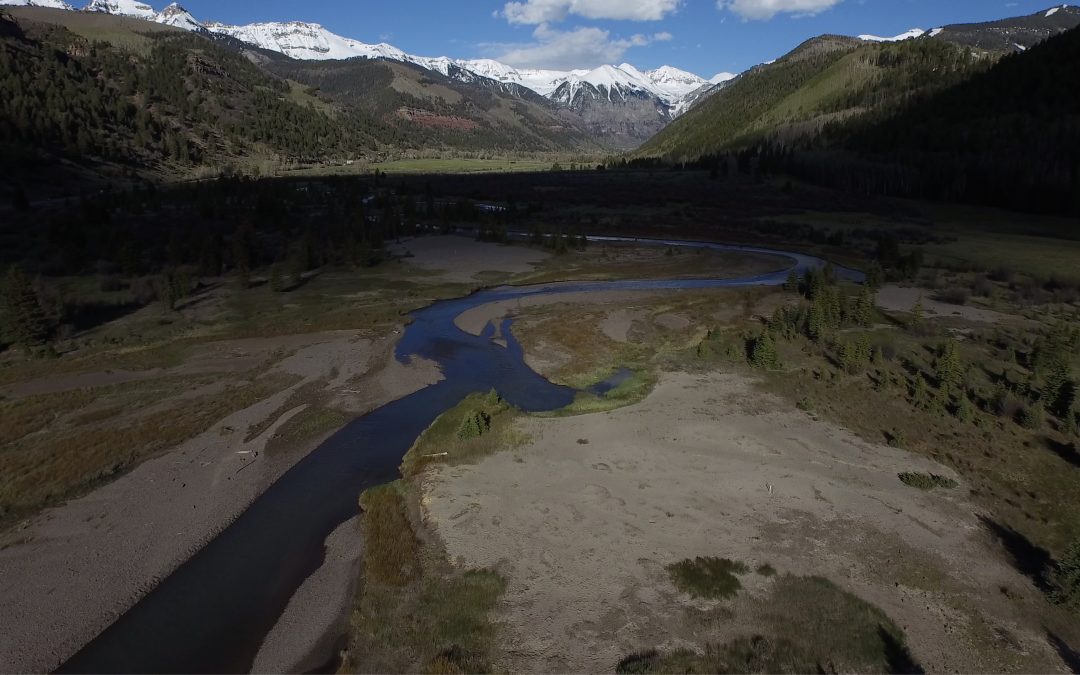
x,y
69,572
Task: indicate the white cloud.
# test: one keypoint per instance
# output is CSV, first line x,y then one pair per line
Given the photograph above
x,y
757,10
585,47
534,12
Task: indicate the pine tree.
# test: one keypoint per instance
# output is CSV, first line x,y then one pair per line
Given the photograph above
x,y
864,308
915,322
1066,578
277,283
920,393
792,282
948,369
23,318
763,354
1059,394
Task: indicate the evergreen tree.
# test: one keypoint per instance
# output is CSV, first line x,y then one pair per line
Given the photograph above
x,y
763,353
948,369
277,283
920,393
864,308
1059,394
23,318
1066,578
792,282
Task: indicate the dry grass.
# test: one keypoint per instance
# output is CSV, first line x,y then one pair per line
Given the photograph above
x,y
59,461
392,552
414,612
809,625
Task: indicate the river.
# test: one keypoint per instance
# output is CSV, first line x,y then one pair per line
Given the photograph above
x,y
212,614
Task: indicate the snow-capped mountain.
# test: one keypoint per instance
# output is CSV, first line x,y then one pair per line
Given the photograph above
x,y
132,8
309,41
662,90
52,4
176,16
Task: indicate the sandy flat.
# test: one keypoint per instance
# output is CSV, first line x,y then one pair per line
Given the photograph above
x,y
69,572
583,519
902,299
460,259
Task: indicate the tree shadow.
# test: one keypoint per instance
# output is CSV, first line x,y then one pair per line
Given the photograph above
x,y
897,656
1067,452
1067,654
86,316
1030,560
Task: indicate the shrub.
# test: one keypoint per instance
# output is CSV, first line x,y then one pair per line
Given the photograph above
x,y
1030,417
707,577
926,481
954,296
766,570
1066,578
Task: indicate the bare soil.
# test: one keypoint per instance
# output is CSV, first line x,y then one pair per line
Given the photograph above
x,y
583,520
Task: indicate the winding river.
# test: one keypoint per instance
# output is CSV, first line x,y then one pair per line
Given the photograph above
x,y
213,613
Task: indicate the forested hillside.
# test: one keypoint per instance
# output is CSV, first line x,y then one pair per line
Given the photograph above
x,y
424,109
823,80
92,97
168,104
1009,136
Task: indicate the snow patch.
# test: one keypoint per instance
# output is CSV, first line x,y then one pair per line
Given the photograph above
x,y
52,4
907,35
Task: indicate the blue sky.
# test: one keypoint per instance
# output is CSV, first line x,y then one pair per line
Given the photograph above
x,y
702,36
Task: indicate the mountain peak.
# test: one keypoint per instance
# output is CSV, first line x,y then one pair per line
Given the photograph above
x,y
132,8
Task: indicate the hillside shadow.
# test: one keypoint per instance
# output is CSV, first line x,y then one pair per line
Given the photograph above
x,y
899,659
1067,452
1030,560
91,315
1067,654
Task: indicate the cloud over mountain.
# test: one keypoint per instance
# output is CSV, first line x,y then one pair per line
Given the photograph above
x,y
763,10
532,12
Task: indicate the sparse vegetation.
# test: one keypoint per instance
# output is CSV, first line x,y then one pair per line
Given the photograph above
x,y
926,481
814,626
705,577
479,425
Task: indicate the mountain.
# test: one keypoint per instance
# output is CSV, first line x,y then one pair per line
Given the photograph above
x,y
93,97
907,35
1014,34
621,105
833,78
132,8
52,4
1008,136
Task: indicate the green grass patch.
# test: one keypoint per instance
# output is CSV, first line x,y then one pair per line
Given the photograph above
x,y
631,391
711,578
478,426
926,481
461,165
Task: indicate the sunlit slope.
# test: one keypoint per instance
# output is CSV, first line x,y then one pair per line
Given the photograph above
x,y
825,79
